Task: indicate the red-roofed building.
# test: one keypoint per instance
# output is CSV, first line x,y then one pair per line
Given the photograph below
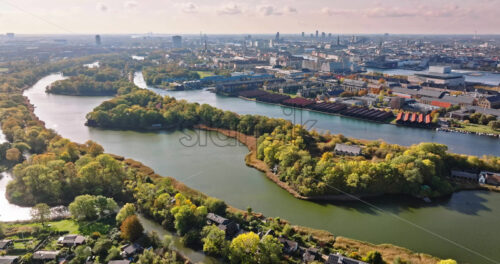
x,y
421,118
428,119
400,115
298,102
407,116
441,104
414,117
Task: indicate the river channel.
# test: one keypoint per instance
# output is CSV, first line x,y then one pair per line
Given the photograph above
x,y
463,227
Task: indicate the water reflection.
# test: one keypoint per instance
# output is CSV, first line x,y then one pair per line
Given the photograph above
x,y
10,212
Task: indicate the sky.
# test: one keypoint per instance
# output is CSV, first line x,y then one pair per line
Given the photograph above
x,y
250,16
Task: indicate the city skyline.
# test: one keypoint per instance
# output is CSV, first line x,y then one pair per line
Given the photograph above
x,y
254,16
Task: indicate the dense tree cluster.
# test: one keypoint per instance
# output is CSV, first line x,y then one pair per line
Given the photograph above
x,y
481,119
249,248
65,171
23,74
89,86
419,170
159,75
99,74
142,109
89,207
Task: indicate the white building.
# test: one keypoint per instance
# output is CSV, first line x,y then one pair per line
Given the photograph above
x,y
439,75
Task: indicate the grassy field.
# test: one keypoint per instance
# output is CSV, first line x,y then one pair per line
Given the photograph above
x,y
67,225
478,129
3,70
204,74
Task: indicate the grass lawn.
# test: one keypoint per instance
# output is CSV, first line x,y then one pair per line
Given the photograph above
x,y
478,129
204,74
3,70
68,225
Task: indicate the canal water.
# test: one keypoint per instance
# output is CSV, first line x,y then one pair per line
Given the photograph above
x,y
10,212
462,227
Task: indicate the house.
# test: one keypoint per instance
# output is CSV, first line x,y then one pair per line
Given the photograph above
x,y
490,102
339,259
289,246
224,224
491,178
131,250
464,175
461,100
71,240
438,75
123,261
9,259
310,255
353,86
6,244
397,102
343,149
43,256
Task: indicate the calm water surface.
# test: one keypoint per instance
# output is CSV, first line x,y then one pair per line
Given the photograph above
x,y
216,167
8,211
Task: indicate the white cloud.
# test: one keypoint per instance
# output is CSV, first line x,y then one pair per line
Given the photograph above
x,y
230,9
189,8
390,12
330,12
102,7
130,4
269,10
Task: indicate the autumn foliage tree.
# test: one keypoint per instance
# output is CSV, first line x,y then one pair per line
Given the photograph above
x,y
13,155
131,228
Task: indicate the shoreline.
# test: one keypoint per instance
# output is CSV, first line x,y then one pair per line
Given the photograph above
x,y
437,129
251,160
389,251
315,111
451,130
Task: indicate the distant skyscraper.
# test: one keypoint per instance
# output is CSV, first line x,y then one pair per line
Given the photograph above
x,y
323,35
312,35
98,40
329,35
206,44
317,33
277,36
303,34
338,40
177,42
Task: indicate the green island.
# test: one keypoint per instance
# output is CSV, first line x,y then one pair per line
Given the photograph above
x,y
98,81
94,184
